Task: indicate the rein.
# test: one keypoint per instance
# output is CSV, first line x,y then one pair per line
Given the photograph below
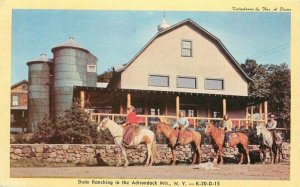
x,y
165,128
215,132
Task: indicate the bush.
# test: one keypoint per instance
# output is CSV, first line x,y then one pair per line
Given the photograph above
x,y
73,127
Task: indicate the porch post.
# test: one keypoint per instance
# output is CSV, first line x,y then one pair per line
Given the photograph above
x,y
208,112
246,116
177,105
252,115
266,112
166,108
224,107
128,100
121,108
260,111
82,95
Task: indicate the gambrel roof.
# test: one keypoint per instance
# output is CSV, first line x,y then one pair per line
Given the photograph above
x,y
198,28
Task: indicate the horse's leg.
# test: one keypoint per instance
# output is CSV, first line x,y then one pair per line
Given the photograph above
x,y
118,141
242,157
152,154
194,149
199,153
264,156
280,153
271,155
275,157
216,155
149,153
247,153
221,155
119,163
174,155
277,154
125,156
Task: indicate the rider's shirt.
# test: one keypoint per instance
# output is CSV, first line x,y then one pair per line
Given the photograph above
x,y
228,125
132,119
272,124
181,121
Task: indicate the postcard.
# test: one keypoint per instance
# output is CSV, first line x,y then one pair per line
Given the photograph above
x,y
142,93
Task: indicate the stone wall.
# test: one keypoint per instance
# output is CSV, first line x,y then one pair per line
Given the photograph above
x,y
106,154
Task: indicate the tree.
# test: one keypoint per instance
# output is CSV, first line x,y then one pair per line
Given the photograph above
x,y
105,76
271,81
75,126
280,89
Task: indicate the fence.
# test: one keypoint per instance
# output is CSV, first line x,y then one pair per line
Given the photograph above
x,y
195,122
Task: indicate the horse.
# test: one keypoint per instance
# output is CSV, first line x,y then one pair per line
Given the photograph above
x,y
277,146
218,135
145,136
266,141
185,137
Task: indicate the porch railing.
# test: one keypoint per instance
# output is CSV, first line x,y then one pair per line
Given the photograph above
x,y
195,122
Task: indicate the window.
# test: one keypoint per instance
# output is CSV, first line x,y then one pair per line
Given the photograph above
x,y
186,48
186,82
159,80
15,100
91,68
214,84
190,113
155,111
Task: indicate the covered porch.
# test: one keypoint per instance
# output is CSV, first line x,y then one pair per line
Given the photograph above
x,y
153,106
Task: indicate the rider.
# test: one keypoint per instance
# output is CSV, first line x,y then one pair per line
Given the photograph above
x,y
181,123
132,123
272,123
227,125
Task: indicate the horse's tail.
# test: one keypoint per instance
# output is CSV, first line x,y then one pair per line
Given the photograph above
x,y
153,149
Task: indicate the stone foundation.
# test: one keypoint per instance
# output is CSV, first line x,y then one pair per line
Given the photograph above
x,y
106,154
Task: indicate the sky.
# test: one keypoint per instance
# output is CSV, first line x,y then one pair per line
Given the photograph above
x,y
114,37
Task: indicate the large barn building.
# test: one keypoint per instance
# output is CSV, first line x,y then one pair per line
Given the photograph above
x,y
183,67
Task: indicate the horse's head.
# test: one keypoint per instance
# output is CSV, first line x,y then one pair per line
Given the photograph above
x,y
103,124
159,129
259,129
209,128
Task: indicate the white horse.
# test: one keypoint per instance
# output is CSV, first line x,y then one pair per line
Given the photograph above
x,y
266,142
145,136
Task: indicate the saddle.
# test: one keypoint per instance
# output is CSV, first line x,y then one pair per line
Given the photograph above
x,y
182,134
137,130
130,132
185,134
232,135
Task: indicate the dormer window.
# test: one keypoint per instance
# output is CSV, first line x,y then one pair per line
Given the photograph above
x,y
186,48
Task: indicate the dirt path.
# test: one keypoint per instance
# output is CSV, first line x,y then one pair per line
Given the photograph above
x,y
229,172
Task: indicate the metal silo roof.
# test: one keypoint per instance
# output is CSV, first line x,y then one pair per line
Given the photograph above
x,y
70,43
42,58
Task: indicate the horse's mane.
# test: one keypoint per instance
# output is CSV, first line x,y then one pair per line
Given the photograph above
x,y
218,130
164,123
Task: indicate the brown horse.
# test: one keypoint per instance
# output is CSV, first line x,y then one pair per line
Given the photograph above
x,y
218,135
185,137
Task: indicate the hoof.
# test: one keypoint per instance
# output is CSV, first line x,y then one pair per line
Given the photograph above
x,y
146,165
118,165
126,164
